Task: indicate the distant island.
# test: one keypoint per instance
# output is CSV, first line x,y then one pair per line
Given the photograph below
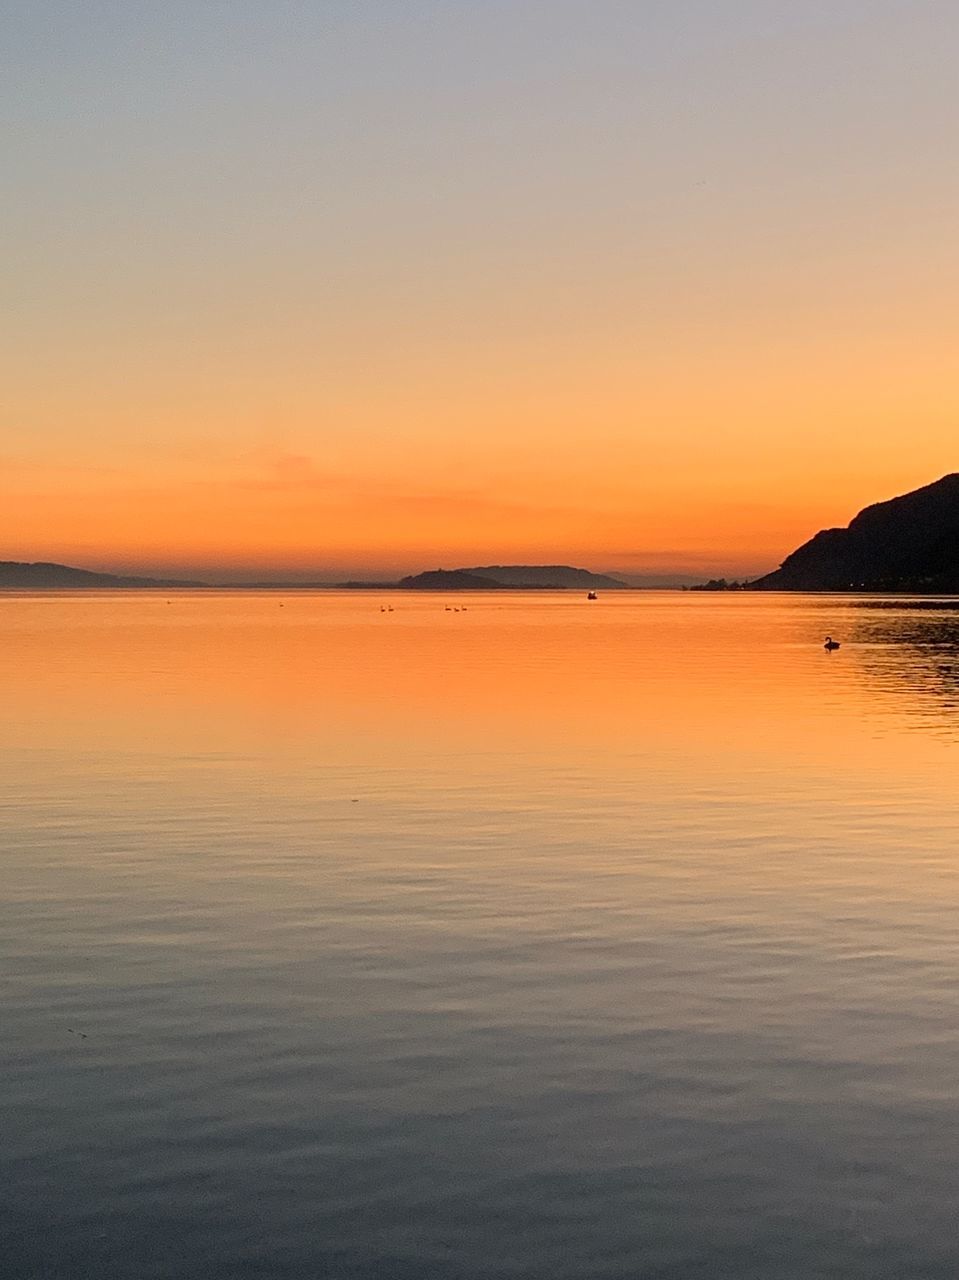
x,y
448,580
910,544
22,576
499,577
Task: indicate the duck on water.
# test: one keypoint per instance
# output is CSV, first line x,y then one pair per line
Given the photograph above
x,y
831,644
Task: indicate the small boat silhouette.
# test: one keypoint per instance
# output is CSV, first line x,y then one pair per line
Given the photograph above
x,y
831,644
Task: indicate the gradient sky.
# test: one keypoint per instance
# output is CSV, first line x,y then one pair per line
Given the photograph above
x,y
367,287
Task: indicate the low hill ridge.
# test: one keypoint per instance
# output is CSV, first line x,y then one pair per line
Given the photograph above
x,y
545,575
448,580
46,575
531,577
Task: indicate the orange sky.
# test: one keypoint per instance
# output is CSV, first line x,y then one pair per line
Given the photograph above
x,y
640,291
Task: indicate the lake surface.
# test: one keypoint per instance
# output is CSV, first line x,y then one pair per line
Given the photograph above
x,y
545,939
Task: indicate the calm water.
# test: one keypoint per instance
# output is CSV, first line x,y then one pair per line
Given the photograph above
x,y
543,939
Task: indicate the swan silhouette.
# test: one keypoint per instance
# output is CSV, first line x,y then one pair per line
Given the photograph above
x,y
831,644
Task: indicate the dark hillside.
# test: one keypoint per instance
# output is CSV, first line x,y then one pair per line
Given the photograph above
x,y
910,543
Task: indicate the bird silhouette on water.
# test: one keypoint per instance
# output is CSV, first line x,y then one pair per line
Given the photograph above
x,y
831,644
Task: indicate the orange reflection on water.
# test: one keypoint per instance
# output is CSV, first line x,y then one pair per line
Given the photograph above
x,y
735,676
642,730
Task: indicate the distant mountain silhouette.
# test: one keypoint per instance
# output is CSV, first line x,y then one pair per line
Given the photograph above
x,y
516,577
449,580
545,576
16,574
13,573
910,543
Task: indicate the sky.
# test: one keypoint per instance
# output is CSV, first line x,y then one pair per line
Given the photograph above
x,y
361,288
